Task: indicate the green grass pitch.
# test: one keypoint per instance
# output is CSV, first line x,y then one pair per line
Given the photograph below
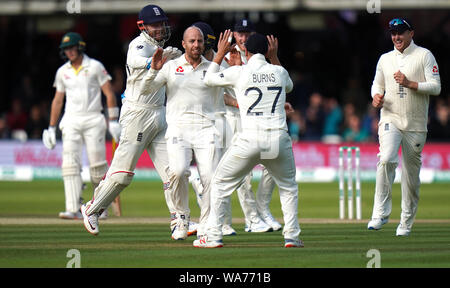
x,y
328,242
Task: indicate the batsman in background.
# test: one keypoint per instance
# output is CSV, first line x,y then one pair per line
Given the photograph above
x,y
404,79
80,82
143,119
261,94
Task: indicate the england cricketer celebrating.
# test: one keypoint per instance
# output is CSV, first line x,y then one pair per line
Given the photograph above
x,y
404,79
261,94
142,119
190,117
258,217
80,82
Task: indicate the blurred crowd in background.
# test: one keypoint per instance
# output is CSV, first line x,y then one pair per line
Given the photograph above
x,y
332,68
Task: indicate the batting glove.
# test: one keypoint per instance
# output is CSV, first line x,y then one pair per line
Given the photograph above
x,y
171,53
49,137
114,130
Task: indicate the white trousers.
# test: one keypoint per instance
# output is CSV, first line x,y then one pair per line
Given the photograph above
x,y
236,164
412,143
77,130
184,141
252,207
143,128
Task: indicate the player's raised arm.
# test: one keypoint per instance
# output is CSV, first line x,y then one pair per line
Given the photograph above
x,y
272,50
151,83
223,46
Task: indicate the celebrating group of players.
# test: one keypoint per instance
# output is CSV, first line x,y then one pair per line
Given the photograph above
x,y
225,109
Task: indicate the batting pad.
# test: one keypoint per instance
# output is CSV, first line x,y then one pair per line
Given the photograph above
x,y
108,189
72,192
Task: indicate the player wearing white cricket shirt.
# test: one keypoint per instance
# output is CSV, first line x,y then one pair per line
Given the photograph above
x,y
261,94
404,79
190,118
80,81
142,118
258,217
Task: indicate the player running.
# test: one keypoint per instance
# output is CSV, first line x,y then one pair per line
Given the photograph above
x,y
261,94
80,82
143,121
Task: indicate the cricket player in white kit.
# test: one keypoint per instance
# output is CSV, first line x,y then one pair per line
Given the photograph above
x,y
190,118
80,81
404,79
142,119
261,94
258,217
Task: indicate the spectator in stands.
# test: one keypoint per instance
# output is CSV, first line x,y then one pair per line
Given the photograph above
x,y
333,119
296,125
439,126
314,117
36,123
4,131
354,131
16,117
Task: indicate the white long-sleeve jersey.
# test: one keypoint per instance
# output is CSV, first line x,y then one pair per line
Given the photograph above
x,y
189,100
82,87
260,91
406,108
140,53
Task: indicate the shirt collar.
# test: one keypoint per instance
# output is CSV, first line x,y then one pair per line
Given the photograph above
x,y
84,62
257,58
407,50
183,61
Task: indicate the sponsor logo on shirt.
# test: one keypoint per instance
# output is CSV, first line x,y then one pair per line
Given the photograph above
x,y
179,71
435,69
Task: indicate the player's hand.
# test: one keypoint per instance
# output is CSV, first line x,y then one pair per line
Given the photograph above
x,y
378,101
49,137
288,108
171,52
235,57
158,59
224,43
401,79
272,50
114,129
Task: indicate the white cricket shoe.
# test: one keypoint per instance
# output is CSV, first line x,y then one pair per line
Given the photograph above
x,y
375,224
227,230
270,220
259,227
70,215
192,228
90,221
104,215
180,232
203,242
290,243
401,231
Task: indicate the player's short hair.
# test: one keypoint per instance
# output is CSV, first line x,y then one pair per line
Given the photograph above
x,y
257,43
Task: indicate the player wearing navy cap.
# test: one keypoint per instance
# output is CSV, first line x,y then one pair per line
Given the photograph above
x,y
404,79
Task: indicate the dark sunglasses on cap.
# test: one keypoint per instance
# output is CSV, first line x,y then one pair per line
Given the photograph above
x,y
398,24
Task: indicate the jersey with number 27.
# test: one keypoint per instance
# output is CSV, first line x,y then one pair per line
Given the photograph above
x,y
260,90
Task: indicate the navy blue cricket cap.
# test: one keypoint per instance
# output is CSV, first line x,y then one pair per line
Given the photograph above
x,y
208,34
152,14
244,25
257,43
399,25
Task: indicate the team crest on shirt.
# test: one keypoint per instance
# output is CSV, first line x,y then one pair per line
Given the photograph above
x,y
179,71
